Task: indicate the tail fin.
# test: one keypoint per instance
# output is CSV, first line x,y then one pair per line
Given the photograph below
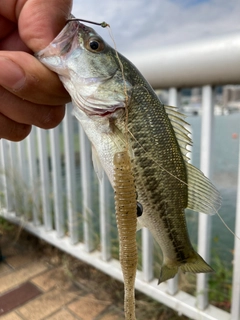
x,y
194,264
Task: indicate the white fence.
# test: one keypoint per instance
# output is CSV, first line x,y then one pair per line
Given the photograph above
x,y
48,186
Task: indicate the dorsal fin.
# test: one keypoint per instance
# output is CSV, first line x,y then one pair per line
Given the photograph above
x,y
179,126
202,195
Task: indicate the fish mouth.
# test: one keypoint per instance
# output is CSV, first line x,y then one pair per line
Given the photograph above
x,y
56,56
62,44
65,42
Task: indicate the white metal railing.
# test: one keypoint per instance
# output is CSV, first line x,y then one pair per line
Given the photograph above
x,y
46,202
214,61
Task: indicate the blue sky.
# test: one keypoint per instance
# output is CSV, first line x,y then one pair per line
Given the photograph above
x,y
145,24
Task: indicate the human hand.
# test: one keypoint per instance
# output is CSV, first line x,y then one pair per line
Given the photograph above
x,y
30,94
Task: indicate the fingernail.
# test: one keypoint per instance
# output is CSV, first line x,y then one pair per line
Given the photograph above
x,y
11,75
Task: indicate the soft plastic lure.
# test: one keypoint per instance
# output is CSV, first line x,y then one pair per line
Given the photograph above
x,y
126,216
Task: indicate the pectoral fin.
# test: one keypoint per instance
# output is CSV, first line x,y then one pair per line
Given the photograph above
x,y
97,164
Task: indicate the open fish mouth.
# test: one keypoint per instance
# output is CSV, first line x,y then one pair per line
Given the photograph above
x,y
65,42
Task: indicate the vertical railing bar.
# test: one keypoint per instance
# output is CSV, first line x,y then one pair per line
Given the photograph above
x,y
70,175
235,309
14,175
204,226
31,146
17,178
44,174
173,100
85,156
23,175
57,182
5,168
104,187
147,255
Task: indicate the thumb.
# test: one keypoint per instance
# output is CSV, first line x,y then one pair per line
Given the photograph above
x,y
41,20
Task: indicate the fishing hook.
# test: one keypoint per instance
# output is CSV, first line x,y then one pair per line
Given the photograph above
x,y
102,24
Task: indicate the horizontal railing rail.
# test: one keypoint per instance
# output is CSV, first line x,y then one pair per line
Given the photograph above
x,y
48,186
208,62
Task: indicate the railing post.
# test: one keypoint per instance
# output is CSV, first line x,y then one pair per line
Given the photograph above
x,y
235,310
57,182
44,174
204,227
70,175
86,190
6,184
32,160
147,255
24,180
173,100
14,176
105,218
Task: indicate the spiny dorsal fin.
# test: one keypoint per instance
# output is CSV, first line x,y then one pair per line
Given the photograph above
x,y
202,195
179,126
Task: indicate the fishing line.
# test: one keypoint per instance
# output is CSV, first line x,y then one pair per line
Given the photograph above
x,y
125,86
126,210
104,25
214,210
168,172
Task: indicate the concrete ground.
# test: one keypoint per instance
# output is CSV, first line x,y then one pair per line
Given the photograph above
x,y
39,285
40,282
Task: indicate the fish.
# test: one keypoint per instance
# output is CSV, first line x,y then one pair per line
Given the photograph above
x,y
119,109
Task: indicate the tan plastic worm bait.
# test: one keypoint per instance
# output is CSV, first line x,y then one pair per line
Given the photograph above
x,y
126,216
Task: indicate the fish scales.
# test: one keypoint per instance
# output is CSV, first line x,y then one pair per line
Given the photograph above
x,y
163,197
156,137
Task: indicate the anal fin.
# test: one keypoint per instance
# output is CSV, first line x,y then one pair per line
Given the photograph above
x,y
167,272
97,164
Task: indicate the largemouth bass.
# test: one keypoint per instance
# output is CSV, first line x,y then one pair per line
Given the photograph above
x,y
117,108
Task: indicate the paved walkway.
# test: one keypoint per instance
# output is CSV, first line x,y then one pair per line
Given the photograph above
x,y
39,282
33,287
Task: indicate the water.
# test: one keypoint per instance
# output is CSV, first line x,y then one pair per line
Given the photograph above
x,y
225,168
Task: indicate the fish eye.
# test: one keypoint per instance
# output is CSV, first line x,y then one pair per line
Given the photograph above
x,y
95,45
139,209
